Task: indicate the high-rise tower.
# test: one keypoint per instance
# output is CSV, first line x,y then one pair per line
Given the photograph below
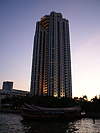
x,y
51,63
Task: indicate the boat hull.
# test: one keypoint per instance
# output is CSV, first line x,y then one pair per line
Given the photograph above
x,y
36,117
35,112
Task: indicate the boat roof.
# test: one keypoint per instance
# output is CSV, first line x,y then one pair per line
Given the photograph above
x,y
38,108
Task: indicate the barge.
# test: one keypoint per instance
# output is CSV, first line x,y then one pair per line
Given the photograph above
x,y
32,112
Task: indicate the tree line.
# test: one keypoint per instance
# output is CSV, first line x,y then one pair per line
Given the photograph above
x,y
53,102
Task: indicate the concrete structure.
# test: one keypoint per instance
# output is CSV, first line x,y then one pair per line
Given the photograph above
x,y
7,90
7,86
51,64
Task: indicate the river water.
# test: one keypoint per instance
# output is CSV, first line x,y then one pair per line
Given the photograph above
x,y
12,123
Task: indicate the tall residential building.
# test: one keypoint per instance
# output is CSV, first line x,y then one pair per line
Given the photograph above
x,y
51,63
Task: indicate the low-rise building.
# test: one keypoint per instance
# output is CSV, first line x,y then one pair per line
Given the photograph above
x,y
7,90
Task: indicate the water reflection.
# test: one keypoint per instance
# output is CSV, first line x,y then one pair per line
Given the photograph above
x,y
75,126
11,123
49,126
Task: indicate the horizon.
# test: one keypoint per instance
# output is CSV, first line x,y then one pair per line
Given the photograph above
x,y
17,38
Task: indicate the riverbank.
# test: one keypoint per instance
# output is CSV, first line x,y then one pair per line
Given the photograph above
x,y
91,115
16,111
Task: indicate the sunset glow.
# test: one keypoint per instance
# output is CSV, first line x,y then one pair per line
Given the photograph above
x,y
17,29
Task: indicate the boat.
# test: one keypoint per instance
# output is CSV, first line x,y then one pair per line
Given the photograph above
x,y
32,112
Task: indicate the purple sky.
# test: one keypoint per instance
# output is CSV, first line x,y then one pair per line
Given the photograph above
x,y
17,28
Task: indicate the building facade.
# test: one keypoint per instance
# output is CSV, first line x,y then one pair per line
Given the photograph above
x,y
51,63
7,85
7,90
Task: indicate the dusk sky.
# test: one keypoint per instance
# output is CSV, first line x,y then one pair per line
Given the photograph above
x,y
17,28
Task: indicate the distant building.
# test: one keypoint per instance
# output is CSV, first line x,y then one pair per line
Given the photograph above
x,y
51,64
7,86
7,90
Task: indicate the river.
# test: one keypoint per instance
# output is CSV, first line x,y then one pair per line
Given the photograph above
x,y
12,123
